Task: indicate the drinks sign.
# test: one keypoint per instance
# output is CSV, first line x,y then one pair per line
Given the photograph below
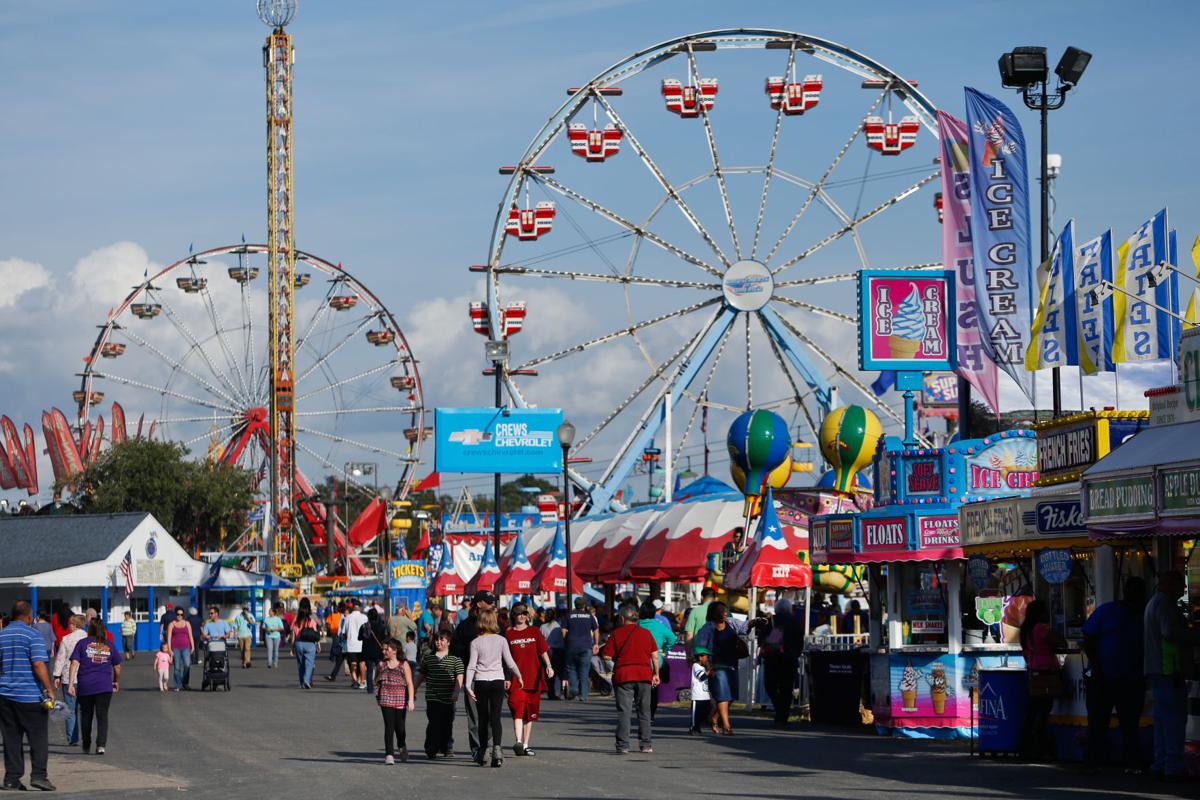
x,y
906,320
938,532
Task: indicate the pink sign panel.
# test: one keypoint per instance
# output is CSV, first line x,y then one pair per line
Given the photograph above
x,y
884,534
906,320
938,532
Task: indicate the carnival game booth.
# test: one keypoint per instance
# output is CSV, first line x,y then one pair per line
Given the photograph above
x,y
919,667
77,559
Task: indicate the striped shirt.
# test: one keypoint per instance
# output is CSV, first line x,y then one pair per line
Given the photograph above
x,y
440,676
20,646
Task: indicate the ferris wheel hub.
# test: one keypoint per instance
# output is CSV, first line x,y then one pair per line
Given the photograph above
x,y
748,285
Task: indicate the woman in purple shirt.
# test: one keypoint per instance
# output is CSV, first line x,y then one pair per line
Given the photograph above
x,y
95,676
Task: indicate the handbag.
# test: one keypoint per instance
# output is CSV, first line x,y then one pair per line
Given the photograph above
x,y
309,634
1046,683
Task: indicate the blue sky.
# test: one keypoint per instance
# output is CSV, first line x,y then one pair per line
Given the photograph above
x,y
142,123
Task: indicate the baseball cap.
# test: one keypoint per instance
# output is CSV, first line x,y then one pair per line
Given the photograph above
x,y
520,608
657,602
483,596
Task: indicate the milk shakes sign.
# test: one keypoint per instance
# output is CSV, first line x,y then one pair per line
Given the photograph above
x,y
1000,234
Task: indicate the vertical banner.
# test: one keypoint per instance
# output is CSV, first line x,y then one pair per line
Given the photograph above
x,y
957,255
1053,337
1094,320
1142,332
1193,304
1000,234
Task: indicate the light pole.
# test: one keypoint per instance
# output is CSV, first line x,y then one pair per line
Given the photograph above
x,y
496,351
1026,68
566,436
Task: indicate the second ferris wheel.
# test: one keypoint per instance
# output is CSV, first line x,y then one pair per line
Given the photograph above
x,y
686,228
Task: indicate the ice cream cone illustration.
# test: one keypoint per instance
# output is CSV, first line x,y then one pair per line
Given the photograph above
x,y
937,687
907,327
908,687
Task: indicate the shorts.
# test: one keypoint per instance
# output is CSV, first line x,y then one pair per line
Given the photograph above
x,y
720,686
354,658
524,705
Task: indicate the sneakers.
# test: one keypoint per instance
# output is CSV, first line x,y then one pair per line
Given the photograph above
x,y
389,760
647,749
622,751
12,786
41,784
518,749
100,751
404,755
497,756
529,752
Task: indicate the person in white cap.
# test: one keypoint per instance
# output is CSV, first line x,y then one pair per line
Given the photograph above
x,y
659,615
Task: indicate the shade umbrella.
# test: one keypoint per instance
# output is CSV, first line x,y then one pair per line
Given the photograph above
x,y
552,577
488,573
517,574
446,582
772,560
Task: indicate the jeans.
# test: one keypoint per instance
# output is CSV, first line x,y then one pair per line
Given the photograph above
x,y
370,665
272,651
489,697
1170,723
306,659
440,720
89,705
19,720
579,671
393,728
72,721
183,667
472,722
633,697
1128,695
558,660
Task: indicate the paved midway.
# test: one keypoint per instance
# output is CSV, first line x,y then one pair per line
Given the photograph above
x,y
269,739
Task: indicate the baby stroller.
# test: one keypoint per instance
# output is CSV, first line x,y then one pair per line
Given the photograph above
x,y
216,666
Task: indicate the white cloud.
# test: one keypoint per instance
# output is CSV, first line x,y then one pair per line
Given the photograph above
x,y
17,277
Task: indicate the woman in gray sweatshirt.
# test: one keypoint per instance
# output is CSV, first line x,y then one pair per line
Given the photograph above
x,y
486,683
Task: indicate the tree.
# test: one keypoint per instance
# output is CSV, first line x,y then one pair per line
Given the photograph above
x,y
196,501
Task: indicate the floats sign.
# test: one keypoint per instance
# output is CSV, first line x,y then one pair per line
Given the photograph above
x,y
884,534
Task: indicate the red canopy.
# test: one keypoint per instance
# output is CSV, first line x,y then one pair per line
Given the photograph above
x,y
488,573
677,544
446,581
604,560
517,574
552,577
773,558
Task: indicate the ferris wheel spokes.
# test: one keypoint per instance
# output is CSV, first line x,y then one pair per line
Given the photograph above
x,y
798,396
370,448
176,366
153,293
667,186
770,168
540,272
617,334
819,186
616,218
219,327
825,312
839,233
162,390
339,383
322,358
716,161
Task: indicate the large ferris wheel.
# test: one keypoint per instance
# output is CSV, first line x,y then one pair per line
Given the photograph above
x,y
718,192
267,357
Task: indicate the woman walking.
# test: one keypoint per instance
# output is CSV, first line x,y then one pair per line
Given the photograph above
x,y
179,636
1038,643
373,633
306,642
724,647
394,692
486,685
272,634
95,676
532,655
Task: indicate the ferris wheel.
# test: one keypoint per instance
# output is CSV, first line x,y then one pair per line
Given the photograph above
x,y
186,352
699,210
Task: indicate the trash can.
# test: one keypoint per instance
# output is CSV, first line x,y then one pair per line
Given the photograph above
x,y
1003,699
836,686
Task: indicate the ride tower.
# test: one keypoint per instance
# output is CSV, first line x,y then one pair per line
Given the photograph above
x,y
279,58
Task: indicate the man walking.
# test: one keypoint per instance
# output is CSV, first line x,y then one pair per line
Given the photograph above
x,y
1112,639
696,619
583,642
243,626
635,674
24,685
1165,637
460,646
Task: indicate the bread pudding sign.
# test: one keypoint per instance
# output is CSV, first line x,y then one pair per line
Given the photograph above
x,y
906,321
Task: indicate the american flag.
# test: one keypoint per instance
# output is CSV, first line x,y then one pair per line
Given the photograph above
x,y
127,571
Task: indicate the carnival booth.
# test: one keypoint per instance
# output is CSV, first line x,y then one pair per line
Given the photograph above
x,y
921,664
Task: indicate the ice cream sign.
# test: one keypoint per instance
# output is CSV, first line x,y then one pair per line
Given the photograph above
x,y
905,322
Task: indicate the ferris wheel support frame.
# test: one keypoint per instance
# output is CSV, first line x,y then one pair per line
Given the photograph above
x,y
779,333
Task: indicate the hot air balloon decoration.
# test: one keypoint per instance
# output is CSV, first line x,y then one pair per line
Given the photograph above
x,y
849,436
760,452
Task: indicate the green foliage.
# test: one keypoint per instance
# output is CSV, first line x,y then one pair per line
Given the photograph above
x,y
193,500
512,498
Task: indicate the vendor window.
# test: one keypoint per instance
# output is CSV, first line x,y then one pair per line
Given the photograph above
x,y
923,603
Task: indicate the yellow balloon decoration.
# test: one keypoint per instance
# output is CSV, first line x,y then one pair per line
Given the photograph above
x,y
849,435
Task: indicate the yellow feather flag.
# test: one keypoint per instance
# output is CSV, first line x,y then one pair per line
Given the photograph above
x,y
1193,306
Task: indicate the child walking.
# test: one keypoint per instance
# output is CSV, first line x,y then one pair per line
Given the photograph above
x,y
442,675
700,695
394,691
162,665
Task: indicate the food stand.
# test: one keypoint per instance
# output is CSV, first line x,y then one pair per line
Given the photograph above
x,y
920,669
